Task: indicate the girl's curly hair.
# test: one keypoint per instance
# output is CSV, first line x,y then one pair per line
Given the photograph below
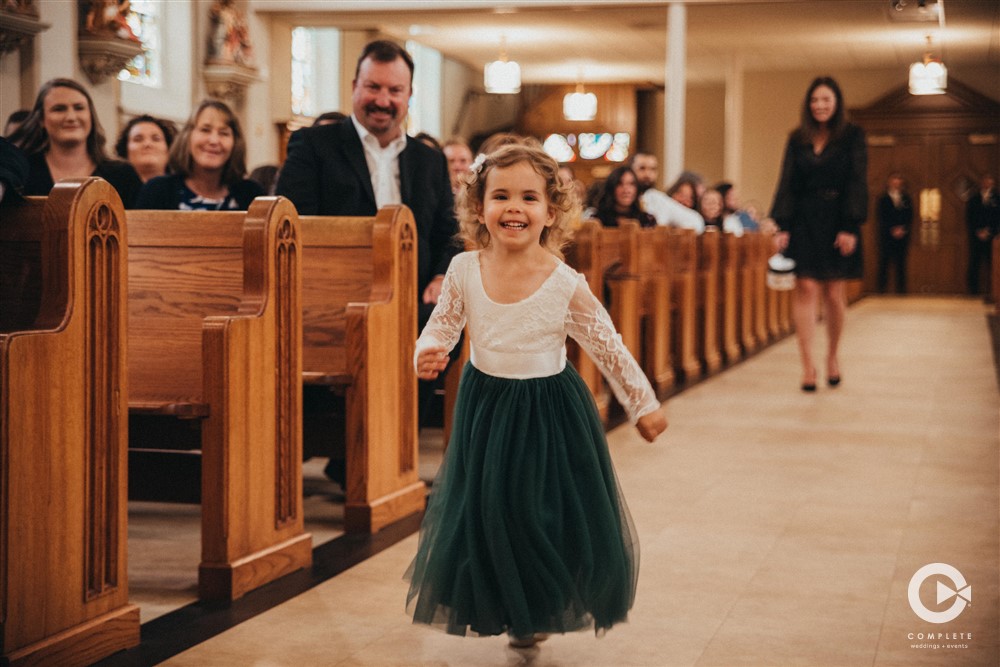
x,y
561,198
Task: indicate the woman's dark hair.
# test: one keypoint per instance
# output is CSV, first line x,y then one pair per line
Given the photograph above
x,y
607,205
181,161
32,138
723,187
329,117
808,127
168,128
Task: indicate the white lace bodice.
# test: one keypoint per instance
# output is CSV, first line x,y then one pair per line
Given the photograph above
x,y
527,339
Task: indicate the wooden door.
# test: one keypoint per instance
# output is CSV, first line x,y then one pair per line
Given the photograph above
x,y
941,145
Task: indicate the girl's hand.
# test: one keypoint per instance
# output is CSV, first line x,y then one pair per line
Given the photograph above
x,y
651,425
780,241
846,243
430,362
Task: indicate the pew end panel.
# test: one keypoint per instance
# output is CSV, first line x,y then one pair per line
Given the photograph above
x,y
63,389
708,299
654,266
728,298
685,292
360,315
226,287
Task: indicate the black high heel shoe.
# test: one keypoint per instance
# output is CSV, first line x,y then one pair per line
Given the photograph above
x,y
809,386
833,380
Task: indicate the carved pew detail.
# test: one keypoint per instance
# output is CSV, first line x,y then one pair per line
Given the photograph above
x,y
63,570
215,337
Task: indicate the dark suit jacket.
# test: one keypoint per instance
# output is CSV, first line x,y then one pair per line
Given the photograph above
x,y
889,216
325,173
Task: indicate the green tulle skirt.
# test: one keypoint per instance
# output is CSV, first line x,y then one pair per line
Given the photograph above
x,y
525,530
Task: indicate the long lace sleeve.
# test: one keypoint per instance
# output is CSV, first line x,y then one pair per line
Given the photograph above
x,y
448,319
588,323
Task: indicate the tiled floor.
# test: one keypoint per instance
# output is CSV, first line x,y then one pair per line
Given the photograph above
x,y
776,527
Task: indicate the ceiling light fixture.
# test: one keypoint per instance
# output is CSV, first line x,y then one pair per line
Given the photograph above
x,y
580,105
928,76
502,76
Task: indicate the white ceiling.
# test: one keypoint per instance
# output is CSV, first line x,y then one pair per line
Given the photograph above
x,y
626,42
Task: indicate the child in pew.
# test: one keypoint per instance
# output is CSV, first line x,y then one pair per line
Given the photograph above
x,y
526,531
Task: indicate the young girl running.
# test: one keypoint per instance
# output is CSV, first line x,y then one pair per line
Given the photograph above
x,y
526,531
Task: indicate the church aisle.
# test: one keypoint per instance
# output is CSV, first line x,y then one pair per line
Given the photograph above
x,y
776,527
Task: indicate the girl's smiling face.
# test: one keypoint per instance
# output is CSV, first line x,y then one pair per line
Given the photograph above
x,y
515,206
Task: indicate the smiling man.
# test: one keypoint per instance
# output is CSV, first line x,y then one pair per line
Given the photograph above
x,y
356,166
367,161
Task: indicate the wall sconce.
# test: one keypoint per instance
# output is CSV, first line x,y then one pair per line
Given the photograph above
x,y
929,76
502,76
580,105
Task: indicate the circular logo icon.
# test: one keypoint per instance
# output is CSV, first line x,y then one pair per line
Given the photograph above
x,y
960,590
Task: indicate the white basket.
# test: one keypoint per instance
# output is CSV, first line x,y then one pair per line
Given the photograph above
x,y
780,272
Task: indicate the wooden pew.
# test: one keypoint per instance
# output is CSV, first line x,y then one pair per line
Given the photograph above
x,y
654,306
762,250
707,300
748,259
684,316
214,349
729,264
63,387
359,313
608,257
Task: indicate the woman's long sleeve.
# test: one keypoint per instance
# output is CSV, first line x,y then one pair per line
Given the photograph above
x,y
445,325
588,323
783,209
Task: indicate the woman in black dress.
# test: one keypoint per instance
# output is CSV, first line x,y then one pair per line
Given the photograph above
x,y
821,201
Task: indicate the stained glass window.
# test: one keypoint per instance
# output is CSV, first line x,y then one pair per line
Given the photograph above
x,y
557,146
590,146
145,19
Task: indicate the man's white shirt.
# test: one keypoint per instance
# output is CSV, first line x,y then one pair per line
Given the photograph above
x,y
383,165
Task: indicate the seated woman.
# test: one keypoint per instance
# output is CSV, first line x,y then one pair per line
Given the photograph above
x,y
620,200
685,191
713,210
731,204
145,143
207,164
63,138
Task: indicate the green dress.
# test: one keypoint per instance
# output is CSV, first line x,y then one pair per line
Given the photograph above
x,y
526,530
